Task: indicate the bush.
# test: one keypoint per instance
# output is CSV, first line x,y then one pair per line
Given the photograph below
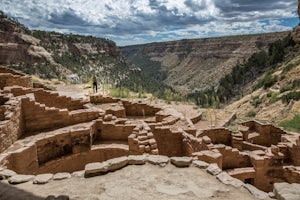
x,y
291,125
285,88
256,101
292,95
120,92
251,113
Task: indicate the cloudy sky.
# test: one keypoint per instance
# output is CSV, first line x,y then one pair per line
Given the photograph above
x,y
130,22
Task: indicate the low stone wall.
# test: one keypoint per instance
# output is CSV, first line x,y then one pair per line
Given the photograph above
x,y
99,99
266,134
12,124
39,118
169,142
53,99
10,71
218,135
233,158
11,80
243,174
192,144
139,109
109,130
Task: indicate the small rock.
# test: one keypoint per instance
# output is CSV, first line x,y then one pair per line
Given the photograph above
x,y
137,160
225,178
20,178
213,169
256,192
62,175
42,178
117,163
200,164
78,173
95,169
158,160
272,195
181,161
7,173
286,191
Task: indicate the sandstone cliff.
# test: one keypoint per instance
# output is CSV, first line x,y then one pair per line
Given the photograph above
x,y
56,55
198,63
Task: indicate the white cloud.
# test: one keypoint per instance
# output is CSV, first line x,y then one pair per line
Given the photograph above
x,y
140,21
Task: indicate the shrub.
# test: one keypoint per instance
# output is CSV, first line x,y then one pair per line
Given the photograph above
x,y
285,88
256,101
251,113
291,125
292,95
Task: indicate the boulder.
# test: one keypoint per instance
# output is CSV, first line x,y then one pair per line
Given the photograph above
x,y
95,169
78,173
158,160
200,164
213,169
256,192
6,173
181,161
225,178
42,178
117,163
20,178
62,175
137,160
286,191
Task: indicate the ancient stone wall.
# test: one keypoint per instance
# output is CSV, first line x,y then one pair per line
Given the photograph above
x,y
192,144
139,109
12,124
10,71
76,162
53,99
233,158
169,142
38,117
262,134
109,130
98,99
218,136
11,80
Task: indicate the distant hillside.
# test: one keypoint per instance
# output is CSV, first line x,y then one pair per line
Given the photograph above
x,y
56,55
275,95
196,64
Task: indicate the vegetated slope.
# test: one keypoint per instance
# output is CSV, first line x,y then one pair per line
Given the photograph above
x,y
56,55
276,95
195,64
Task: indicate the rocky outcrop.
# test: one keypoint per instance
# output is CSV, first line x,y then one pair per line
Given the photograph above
x,y
198,63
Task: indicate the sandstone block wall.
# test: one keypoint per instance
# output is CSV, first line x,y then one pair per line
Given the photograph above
x,y
77,162
38,117
218,136
52,99
139,109
98,99
142,141
12,124
192,144
11,80
10,71
169,142
266,134
233,158
109,130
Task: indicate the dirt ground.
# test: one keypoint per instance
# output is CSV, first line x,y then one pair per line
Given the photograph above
x,y
132,182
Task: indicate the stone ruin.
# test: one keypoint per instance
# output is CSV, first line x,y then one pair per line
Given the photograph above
x,y
43,132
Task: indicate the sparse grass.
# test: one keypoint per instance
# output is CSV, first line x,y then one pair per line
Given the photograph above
x,y
272,97
256,101
120,92
295,95
291,125
285,88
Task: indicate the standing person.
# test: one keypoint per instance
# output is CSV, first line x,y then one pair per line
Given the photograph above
x,y
95,88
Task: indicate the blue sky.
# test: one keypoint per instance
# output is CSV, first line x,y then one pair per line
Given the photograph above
x,y
129,22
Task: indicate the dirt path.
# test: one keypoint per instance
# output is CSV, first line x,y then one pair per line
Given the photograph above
x,y
145,182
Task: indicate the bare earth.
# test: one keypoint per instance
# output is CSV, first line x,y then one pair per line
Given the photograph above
x,y
132,182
